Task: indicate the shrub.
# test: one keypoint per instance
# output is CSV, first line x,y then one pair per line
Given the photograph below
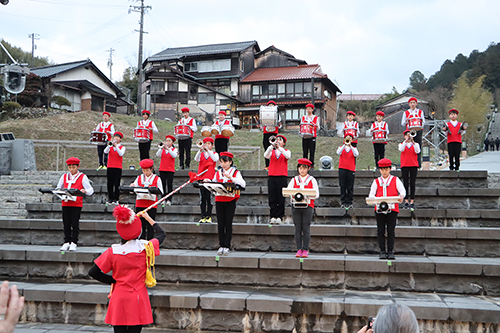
x,y
11,106
61,101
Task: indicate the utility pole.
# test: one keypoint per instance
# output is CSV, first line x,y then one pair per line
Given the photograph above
x,y
110,62
140,9
33,36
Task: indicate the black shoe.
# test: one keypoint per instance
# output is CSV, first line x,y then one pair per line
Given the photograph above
x,y
382,255
406,206
181,167
391,256
412,207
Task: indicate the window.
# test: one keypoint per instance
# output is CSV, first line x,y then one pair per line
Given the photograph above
x,y
157,87
193,92
206,98
289,89
256,90
222,85
281,90
214,65
242,66
288,115
173,85
191,67
272,91
307,89
298,89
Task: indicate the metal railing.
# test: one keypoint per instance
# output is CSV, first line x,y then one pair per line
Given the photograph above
x,y
62,145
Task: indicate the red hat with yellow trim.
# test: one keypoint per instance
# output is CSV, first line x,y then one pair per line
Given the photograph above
x,y
384,163
304,161
146,163
73,161
170,137
128,224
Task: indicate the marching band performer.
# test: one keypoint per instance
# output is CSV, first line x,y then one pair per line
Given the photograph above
x,y
379,125
143,201
409,166
351,125
221,141
147,123
268,134
226,205
129,306
386,185
185,144
71,210
167,154
309,144
302,217
455,130
107,127
277,177
413,112
347,169
115,166
207,159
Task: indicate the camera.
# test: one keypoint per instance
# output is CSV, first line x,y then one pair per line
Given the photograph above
x,y
14,78
369,325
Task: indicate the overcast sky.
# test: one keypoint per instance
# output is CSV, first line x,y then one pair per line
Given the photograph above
x,y
364,46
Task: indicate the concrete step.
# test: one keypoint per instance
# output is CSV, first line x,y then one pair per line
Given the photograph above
x,y
352,239
255,309
457,275
323,215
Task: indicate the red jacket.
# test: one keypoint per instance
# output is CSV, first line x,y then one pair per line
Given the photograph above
x,y
347,160
391,190
278,166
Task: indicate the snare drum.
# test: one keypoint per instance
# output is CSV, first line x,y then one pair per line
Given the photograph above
x,y
268,115
141,135
415,124
206,131
98,138
306,130
182,132
227,130
351,132
379,136
215,129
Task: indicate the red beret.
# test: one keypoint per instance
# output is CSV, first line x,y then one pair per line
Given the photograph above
x,y
73,161
412,99
453,110
128,224
351,112
310,106
271,102
222,112
106,112
304,161
384,163
380,113
146,163
406,131
227,154
147,112
170,137
185,109
118,133
281,136
209,139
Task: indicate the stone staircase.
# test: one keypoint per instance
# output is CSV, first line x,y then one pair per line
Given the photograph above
x,y
447,266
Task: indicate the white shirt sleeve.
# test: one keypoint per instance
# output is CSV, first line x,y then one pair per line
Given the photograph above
x,y
403,119
120,150
268,152
400,187
197,157
159,184
106,150
341,133
86,185
112,130
291,183
238,179
423,118
287,153
136,181
387,128
173,152
213,155
155,129
193,127
339,150
60,183
355,151
417,148
373,189
401,146
158,152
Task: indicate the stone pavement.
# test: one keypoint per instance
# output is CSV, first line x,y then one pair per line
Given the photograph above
x,y
487,160
64,328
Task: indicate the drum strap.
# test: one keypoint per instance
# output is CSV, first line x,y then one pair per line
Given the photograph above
x,y
71,180
384,184
302,184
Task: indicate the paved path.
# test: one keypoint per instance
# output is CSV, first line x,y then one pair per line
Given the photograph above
x,y
487,160
66,328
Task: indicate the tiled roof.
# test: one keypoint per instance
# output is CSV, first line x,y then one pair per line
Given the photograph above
x,y
288,102
47,71
359,97
285,73
178,52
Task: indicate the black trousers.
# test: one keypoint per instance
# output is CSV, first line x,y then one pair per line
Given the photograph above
x,y
265,143
308,149
492,147
418,139
454,150
379,150
147,229
114,176
225,213
205,202
71,223
185,152
383,221
409,175
144,148
486,146
275,195
103,158
221,145
167,180
302,220
127,329
346,183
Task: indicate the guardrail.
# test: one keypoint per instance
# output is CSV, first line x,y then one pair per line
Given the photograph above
x,y
62,145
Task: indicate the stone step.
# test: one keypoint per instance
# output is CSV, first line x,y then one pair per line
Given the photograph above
x,y
457,275
436,241
323,215
256,309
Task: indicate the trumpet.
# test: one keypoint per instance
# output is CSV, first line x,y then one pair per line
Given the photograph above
x,y
347,141
110,143
273,140
413,133
160,144
199,143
